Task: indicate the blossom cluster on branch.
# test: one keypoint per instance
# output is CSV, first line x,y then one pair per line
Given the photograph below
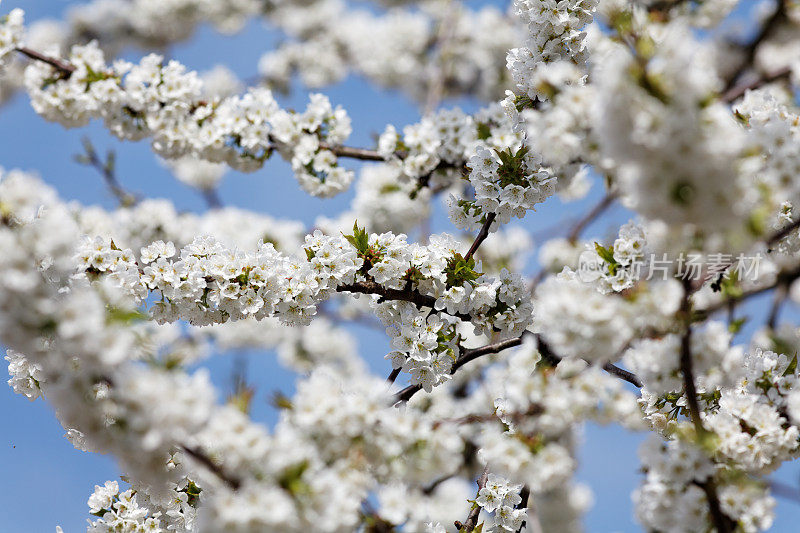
x,y
110,314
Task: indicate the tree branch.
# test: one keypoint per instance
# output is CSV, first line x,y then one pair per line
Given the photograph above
x,y
211,196
107,171
475,511
482,234
64,67
353,153
596,211
203,459
553,359
736,92
750,49
467,356
783,232
722,523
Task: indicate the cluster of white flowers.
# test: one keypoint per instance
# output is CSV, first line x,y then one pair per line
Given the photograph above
x,y
196,172
119,511
772,129
400,48
163,101
425,346
665,135
539,408
618,267
555,42
670,498
507,183
753,418
673,496
25,375
500,497
11,30
438,146
208,283
577,320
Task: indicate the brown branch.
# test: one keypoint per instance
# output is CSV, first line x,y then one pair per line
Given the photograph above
x,y
107,171
353,153
553,359
393,375
690,390
371,287
596,211
783,278
479,418
523,504
467,356
783,232
64,67
777,18
782,490
722,523
482,234
211,196
206,461
475,510
778,299
738,91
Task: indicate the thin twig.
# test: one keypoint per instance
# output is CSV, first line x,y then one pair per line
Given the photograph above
x,y
778,298
475,510
783,232
690,390
783,278
393,375
596,211
62,66
203,459
736,92
467,356
352,152
523,504
436,85
107,171
211,196
478,418
783,490
482,234
751,48
553,359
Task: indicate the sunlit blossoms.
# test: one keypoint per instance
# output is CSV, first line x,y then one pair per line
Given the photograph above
x,y
442,381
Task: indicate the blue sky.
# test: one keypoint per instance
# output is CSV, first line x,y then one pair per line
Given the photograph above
x,y
46,482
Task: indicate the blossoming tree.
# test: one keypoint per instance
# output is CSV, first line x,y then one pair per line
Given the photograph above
x,y
491,374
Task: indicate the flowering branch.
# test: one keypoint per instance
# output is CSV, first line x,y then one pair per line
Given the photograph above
x,y
475,510
553,359
467,356
722,523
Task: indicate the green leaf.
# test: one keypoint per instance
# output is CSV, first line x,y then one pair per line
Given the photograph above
x,y
790,370
484,131
736,325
